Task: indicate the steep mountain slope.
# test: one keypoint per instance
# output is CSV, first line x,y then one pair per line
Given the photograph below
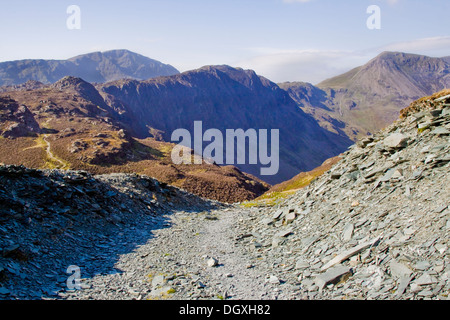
x,y
68,125
224,98
369,97
92,67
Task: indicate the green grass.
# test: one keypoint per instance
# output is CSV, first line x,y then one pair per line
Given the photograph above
x,y
284,190
269,201
50,163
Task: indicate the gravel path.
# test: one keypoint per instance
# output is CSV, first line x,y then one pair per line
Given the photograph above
x,y
197,256
234,276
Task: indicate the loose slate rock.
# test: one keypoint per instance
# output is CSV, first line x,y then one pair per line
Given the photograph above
x,y
333,276
274,280
399,270
395,141
212,262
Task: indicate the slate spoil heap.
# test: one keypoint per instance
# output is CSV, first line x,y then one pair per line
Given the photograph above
x,y
376,226
52,219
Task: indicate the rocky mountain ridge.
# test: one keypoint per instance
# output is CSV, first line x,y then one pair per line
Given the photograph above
x,y
224,98
221,97
68,125
368,98
348,106
92,67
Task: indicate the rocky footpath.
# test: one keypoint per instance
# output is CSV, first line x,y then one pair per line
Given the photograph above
x,y
52,219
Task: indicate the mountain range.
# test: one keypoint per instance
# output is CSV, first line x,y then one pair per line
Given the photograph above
x,y
67,125
92,67
109,119
224,98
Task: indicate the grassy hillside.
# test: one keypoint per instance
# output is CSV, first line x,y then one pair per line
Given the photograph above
x,y
287,188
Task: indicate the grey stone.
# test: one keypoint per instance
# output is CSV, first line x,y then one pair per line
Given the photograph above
x,y
435,113
388,175
403,284
274,280
301,264
396,140
277,214
425,279
284,232
348,232
443,98
440,131
277,241
290,217
424,125
333,275
399,270
212,262
158,280
415,287
422,265
425,293
349,253
266,221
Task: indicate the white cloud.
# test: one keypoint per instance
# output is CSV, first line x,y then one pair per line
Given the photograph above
x,y
302,65
314,66
294,1
392,2
430,46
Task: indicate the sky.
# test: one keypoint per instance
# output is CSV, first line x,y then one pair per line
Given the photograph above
x,y
283,40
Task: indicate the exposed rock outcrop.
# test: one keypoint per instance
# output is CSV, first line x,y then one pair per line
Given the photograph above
x,y
16,120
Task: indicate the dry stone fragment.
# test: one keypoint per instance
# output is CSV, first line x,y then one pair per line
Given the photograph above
x,y
348,232
274,280
349,253
333,275
425,279
395,141
212,262
277,214
290,217
403,284
399,270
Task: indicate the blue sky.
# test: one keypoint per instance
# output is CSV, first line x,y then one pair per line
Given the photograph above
x,y
284,40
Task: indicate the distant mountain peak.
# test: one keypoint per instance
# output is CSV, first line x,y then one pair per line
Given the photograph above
x,y
69,81
80,87
368,97
390,54
74,83
92,67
